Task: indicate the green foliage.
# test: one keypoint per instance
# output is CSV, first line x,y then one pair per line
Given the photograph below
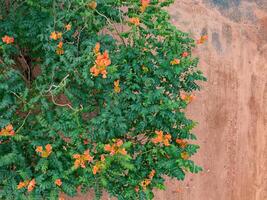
x,y
51,95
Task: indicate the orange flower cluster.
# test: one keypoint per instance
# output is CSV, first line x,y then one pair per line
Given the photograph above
x,y
202,39
161,138
144,5
7,131
116,148
185,155
101,63
92,5
58,35
58,182
60,49
29,184
181,143
44,153
55,35
8,40
117,88
68,27
175,61
185,54
99,165
188,98
147,181
135,21
80,160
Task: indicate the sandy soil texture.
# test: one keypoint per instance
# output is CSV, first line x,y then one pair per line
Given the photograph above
x,y
232,107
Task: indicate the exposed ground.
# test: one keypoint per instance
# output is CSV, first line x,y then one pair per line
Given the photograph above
x,y
232,107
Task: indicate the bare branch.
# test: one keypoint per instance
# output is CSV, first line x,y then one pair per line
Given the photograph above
x,y
108,20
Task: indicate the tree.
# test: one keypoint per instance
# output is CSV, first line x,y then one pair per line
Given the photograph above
x,y
92,95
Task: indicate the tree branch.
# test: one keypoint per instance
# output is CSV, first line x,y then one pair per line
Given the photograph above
x,y
108,20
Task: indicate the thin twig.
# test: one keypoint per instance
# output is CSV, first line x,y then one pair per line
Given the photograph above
x,y
19,97
62,105
23,122
108,20
78,40
62,82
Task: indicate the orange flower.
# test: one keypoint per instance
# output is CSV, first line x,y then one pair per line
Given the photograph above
x,y
102,158
117,88
167,139
103,60
185,54
135,21
60,45
58,182
55,35
108,147
202,39
175,61
8,40
99,165
145,183
144,5
152,174
122,151
115,148
59,35
161,138
92,5
60,51
188,98
7,131
44,153
119,142
96,169
145,2
31,185
97,48
181,143
39,149
22,184
185,155
80,160
136,189
101,63
68,27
